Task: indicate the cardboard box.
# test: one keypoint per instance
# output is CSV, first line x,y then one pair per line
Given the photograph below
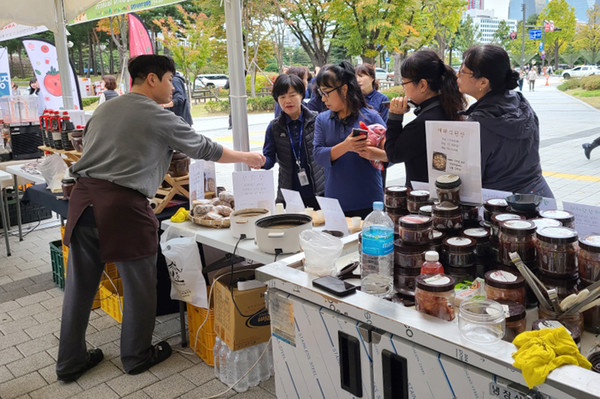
x,y
247,324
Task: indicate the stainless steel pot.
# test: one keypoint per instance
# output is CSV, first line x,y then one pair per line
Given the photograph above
x,y
281,233
243,221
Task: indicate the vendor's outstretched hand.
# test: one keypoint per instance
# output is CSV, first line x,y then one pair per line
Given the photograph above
x,y
254,160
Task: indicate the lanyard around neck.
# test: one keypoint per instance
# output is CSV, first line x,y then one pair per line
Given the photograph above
x,y
297,156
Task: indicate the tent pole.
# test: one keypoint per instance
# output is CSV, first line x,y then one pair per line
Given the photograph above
x,y
60,38
237,97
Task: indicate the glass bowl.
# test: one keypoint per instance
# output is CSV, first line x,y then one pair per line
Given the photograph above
x,y
481,321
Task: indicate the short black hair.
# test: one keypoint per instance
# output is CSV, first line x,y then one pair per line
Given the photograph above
x,y
139,67
284,82
491,62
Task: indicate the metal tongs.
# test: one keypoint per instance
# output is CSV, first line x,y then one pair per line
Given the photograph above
x,y
550,303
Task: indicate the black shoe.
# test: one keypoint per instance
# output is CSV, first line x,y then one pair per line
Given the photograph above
x,y
587,150
160,352
95,356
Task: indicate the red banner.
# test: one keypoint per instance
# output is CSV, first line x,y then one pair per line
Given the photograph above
x,y
139,40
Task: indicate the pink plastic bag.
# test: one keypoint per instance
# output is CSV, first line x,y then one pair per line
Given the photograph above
x,y
375,136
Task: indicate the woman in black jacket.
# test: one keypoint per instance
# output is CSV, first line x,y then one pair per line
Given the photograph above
x,y
431,86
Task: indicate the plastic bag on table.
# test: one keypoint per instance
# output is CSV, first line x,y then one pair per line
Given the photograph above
x,y
376,136
53,168
185,267
321,250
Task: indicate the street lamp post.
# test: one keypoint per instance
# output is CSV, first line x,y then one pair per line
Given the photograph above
x,y
523,38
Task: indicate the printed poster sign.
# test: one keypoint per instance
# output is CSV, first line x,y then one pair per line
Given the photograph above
x,y
5,85
13,30
110,8
454,148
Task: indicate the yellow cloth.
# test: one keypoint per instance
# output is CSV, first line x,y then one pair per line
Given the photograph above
x,y
542,351
180,216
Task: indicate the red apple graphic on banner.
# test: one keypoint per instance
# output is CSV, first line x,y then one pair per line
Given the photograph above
x,y
52,82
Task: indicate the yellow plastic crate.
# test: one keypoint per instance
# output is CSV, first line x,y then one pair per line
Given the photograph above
x,y
204,342
111,300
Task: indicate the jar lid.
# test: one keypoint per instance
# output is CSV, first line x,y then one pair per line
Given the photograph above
x,y
479,234
501,217
435,282
590,243
459,243
437,236
445,208
425,210
540,223
402,248
447,181
416,222
513,310
563,216
396,191
504,279
68,180
517,227
557,235
419,195
495,204
541,324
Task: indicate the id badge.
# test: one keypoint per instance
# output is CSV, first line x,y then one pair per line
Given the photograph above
x,y
302,177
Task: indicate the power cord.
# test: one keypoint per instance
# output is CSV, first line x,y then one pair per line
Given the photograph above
x,y
278,251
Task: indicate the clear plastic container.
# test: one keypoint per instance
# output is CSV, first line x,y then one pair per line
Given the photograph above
x,y
447,188
416,199
434,295
557,250
505,285
415,229
589,257
516,236
481,321
377,258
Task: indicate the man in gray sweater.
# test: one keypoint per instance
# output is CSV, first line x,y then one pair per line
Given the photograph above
x,y
127,150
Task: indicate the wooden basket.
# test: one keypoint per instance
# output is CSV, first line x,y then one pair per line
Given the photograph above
x,y
215,224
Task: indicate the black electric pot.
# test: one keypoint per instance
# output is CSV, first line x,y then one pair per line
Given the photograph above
x,y
277,234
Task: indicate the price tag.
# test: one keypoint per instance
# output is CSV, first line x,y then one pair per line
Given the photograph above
x,y
335,219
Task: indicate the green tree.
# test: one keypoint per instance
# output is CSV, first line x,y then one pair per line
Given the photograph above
x,y
563,16
531,47
587,39
445,20
467,35
502,35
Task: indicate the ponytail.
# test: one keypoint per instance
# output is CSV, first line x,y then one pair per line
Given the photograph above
x,y
450,97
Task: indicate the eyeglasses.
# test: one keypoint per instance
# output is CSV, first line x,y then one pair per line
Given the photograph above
x,y
326,93
462,71
405,83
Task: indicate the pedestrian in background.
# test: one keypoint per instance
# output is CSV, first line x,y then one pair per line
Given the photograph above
x,y
180,105
521,79
588,147
510,130
531,77
110,84
365,74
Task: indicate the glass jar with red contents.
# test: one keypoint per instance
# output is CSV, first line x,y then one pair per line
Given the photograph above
x,y
497,218
434,295
458,252
516,319
447,217
415,229
395,197
409,256
481,236
550,319
494,205
564,285
557,250
502,284
565,217
517,236
447,188
437,241
589,257
416,199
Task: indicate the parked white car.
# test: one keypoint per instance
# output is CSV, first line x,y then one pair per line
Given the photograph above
x,y
211,80
583,70
380,74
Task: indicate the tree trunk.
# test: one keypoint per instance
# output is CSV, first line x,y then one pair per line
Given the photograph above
x,y
111,61
368,60
21,63
80,58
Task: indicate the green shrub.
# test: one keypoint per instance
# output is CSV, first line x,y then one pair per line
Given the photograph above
x,y
394,91
266,103
570,84
217,106
89,100
261,81
591,82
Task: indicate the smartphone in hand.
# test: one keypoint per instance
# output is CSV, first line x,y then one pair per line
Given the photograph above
x,y
359,132
385,104
334,285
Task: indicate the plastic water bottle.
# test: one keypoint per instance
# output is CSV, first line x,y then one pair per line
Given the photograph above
x,y
377,259
224,366
216,359
239,367
264,367
253,354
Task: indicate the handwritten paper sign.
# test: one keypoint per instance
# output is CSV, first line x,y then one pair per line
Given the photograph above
x,y
196,174
293,201
587,218
254,189
454,148
335,219
419,185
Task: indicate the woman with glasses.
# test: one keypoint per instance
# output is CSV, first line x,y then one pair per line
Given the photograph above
x,y
510,131
365,75
430,85
349,176
289,142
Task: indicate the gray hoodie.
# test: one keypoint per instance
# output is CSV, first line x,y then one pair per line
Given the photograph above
x,y
510,138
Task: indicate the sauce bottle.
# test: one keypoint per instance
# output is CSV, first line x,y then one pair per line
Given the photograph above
x,y
432,264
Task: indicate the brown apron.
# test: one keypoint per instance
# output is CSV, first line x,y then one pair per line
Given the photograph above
x,y
127,227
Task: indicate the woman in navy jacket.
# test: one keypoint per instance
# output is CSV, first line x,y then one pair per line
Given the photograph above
x,y
510,130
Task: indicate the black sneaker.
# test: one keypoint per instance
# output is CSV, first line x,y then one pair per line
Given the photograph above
x,y
587,150
160,352
95,356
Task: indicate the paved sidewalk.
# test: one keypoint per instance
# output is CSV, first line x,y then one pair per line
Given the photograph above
x,y
30,305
